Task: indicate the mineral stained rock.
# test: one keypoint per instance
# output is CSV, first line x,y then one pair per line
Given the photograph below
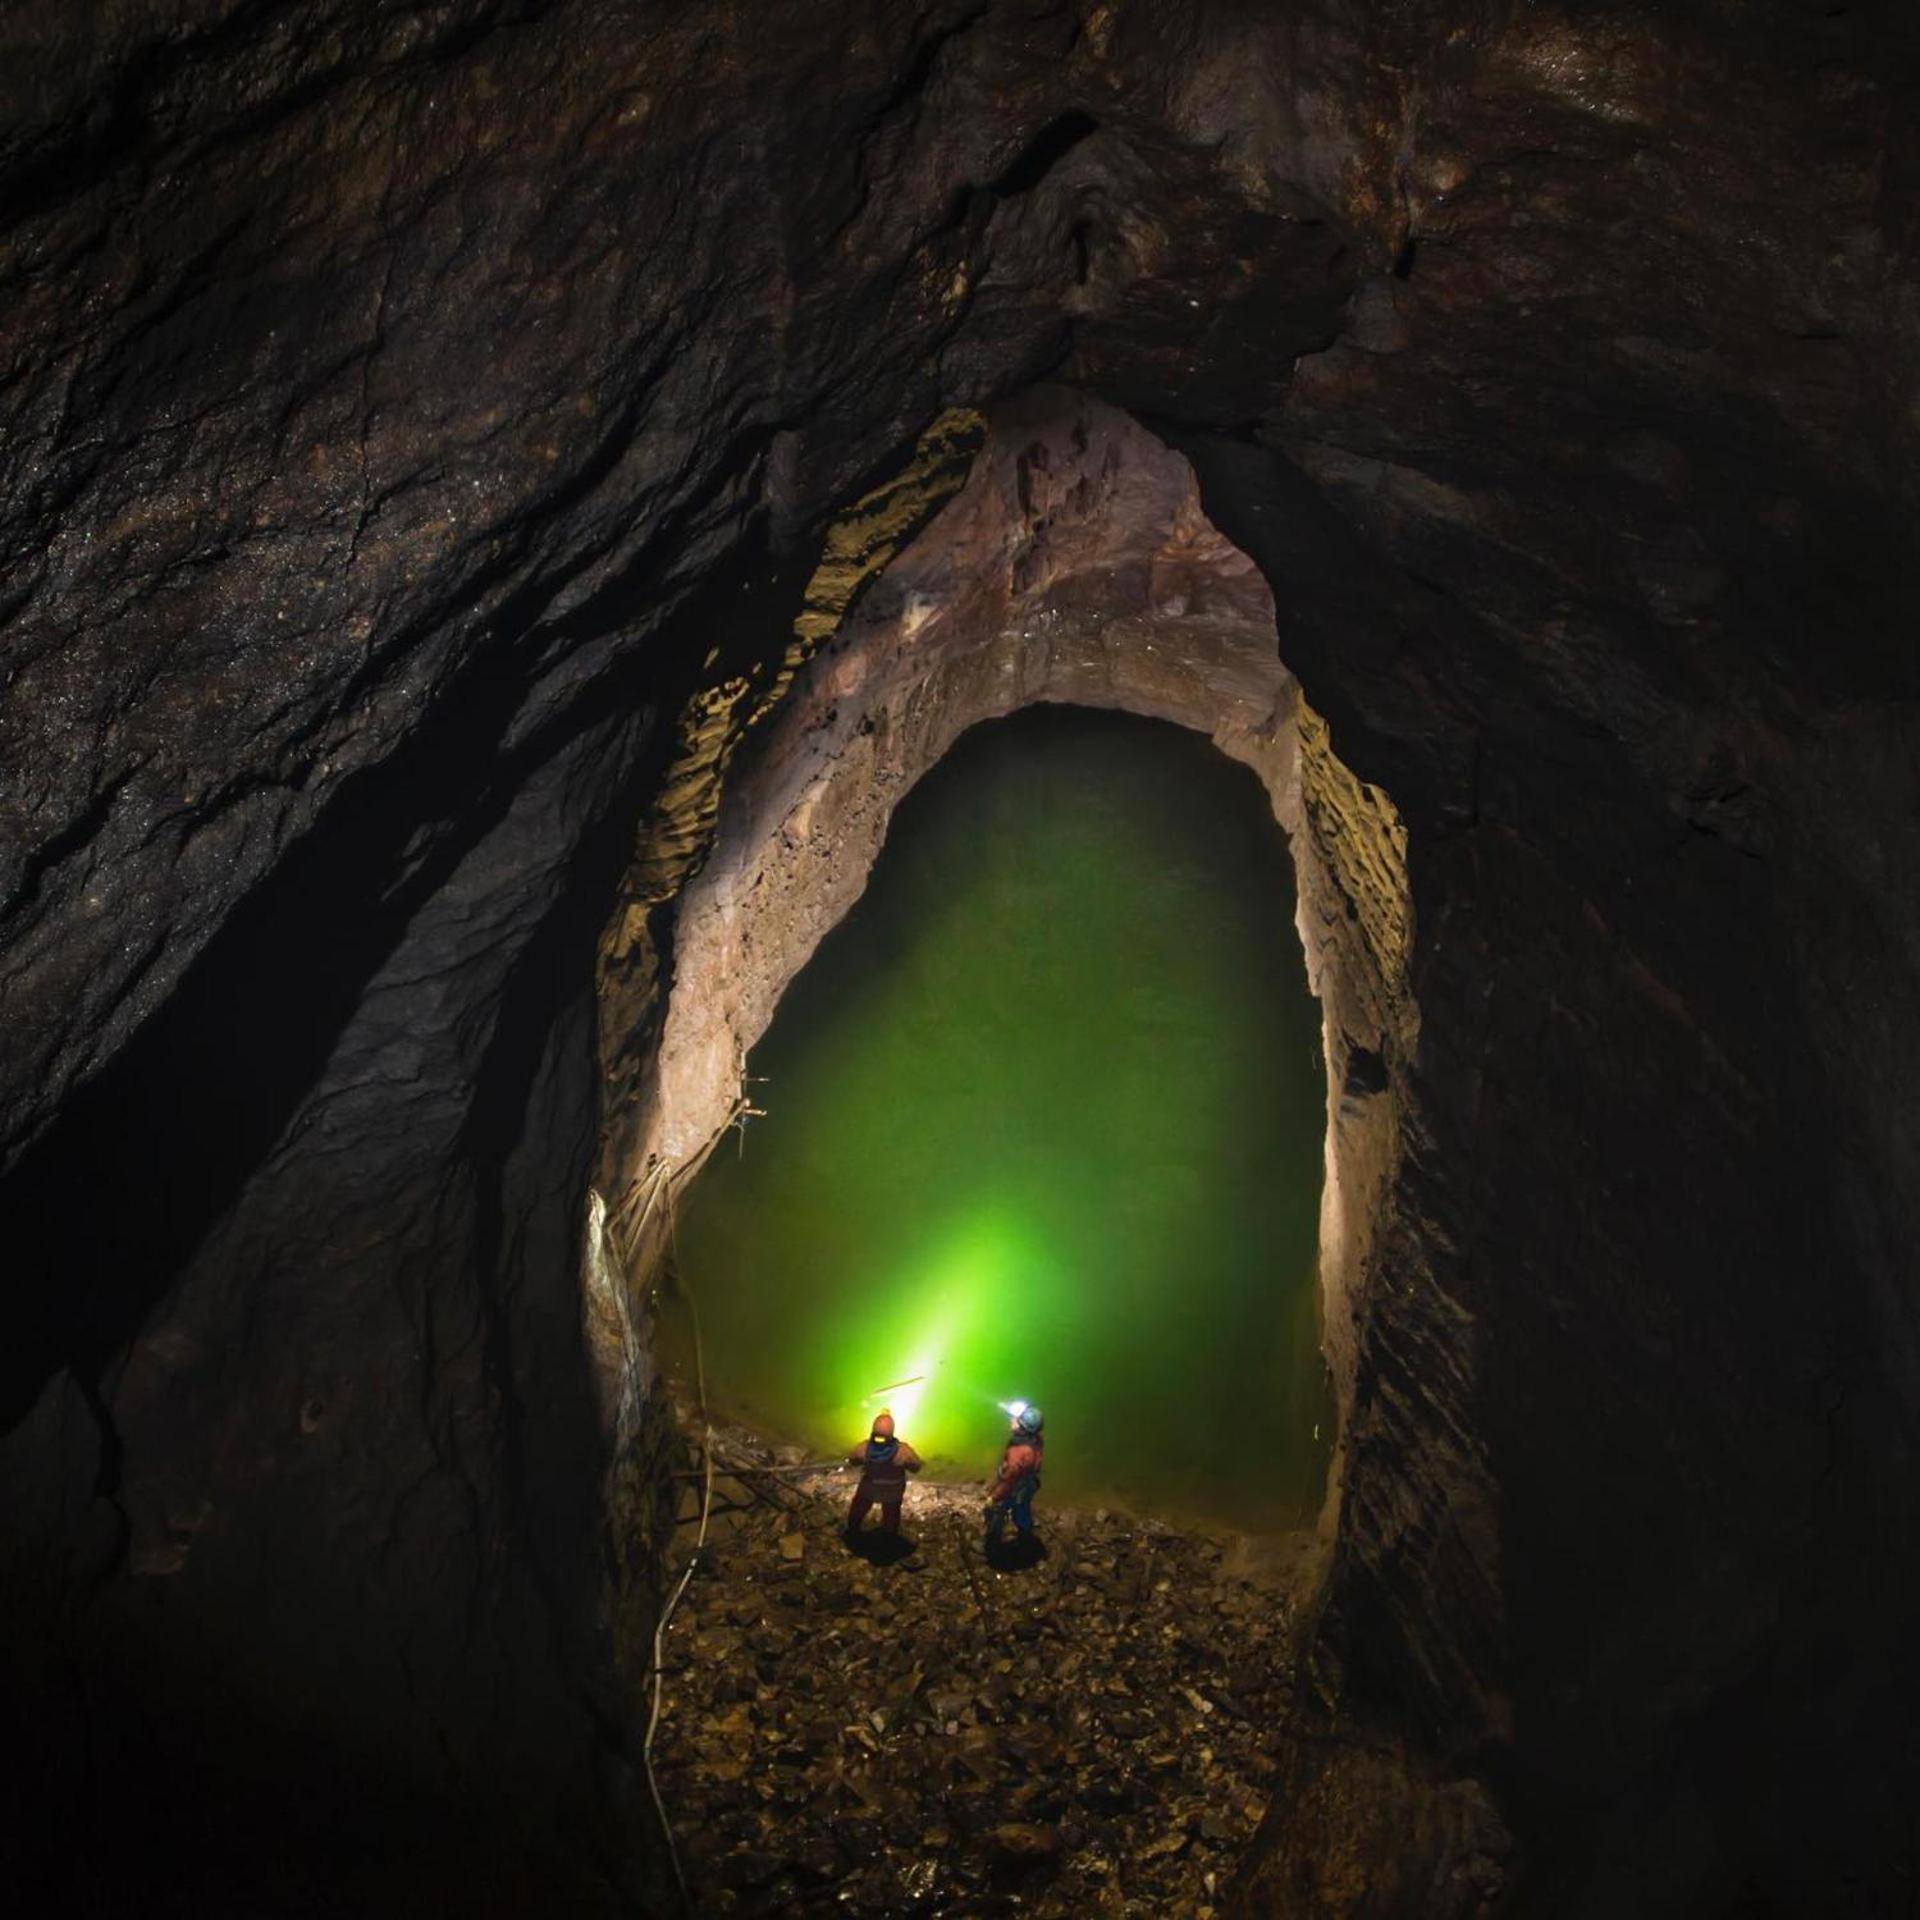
x,y
406,412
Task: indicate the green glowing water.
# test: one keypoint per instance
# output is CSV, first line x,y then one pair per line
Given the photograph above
x,y
1044,1120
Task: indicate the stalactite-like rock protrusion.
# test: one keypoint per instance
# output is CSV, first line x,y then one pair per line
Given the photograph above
x,y
1363,844
678,832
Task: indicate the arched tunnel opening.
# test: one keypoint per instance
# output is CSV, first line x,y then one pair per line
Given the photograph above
x,y
1040,1123
988,1077
1043,1118
501,501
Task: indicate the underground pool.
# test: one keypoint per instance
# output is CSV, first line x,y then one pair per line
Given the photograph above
x,y
1043,1119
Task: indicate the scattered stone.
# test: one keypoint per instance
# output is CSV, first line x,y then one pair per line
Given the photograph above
x,y
919,1878
749,1867
1015,1843
845,1737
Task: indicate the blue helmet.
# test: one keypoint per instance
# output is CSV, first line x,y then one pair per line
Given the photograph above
x,y
1028,1420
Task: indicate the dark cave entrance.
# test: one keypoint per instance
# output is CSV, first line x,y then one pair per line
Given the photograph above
x,y
1045,1116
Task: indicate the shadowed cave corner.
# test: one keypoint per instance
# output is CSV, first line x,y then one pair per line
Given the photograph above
x,y
330,1199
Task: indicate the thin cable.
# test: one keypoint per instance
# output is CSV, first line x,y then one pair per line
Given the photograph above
x,y
651,1189
693,1561
659,1679
693,1308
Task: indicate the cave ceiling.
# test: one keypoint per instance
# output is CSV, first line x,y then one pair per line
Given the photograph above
x,y
409,415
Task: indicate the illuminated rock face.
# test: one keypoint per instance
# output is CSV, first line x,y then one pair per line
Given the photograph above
x,y
400,410
1075,565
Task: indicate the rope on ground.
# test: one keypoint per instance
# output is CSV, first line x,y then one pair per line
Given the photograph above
x,y
665,1181
659,1680
667,1612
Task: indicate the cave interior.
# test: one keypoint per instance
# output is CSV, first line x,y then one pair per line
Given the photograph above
x,y
501,501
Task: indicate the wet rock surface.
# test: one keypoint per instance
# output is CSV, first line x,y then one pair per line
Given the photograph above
x,y
378,385
916,1727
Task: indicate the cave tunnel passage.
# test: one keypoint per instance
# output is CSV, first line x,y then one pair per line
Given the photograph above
x,y
1043,1119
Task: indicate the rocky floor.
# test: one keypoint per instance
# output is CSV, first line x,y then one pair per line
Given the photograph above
x,y
1076,1731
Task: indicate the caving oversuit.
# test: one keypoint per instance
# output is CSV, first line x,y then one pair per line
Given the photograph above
x,y
884,1460
1011,1495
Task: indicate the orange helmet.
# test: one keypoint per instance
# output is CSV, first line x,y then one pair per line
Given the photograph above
x,y
883,1425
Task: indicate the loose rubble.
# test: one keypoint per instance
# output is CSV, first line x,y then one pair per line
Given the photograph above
x,y
925,1732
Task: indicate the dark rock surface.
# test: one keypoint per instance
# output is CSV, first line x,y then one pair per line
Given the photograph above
x,y
379,384
355,1446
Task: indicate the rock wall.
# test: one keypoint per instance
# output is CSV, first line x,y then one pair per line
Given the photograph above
x,y
400,405
1075,566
